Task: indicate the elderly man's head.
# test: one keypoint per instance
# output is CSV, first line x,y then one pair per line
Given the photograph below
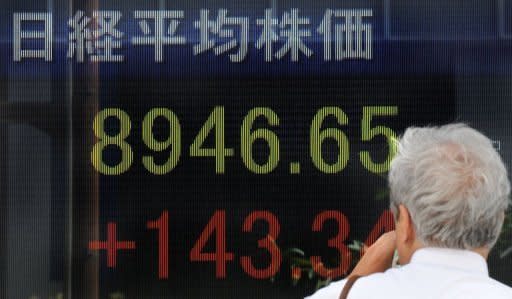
x,y
449,188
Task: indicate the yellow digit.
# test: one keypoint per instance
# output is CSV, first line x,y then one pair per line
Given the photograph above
x,y
367,133
117,140
158,146
317,137
248,138
215,122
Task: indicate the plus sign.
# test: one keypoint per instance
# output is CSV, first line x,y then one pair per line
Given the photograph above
x,y
111,245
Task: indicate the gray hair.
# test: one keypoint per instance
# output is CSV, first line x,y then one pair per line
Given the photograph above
x,y
454,184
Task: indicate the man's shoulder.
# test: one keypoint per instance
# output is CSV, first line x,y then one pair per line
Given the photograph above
x,y
501,287
378,283
406,282
371,282
333,290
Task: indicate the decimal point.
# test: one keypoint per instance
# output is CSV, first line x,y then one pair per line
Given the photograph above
x,y
294,168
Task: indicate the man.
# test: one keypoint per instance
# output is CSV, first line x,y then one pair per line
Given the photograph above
x,y
448,192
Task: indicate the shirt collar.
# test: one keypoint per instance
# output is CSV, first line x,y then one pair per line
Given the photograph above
x,y
457,259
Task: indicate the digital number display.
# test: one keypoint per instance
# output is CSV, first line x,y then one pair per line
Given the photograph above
x,y
215,124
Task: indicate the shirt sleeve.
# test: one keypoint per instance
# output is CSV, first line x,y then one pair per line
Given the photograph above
x,y
332,291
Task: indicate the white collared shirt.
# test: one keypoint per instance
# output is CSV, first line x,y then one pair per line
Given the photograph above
x,y
434,273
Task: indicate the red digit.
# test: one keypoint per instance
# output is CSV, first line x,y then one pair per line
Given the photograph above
x,y
385,224
162,225
216,224
268,243
336,242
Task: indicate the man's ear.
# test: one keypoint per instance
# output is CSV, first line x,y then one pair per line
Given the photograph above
x,y
405,224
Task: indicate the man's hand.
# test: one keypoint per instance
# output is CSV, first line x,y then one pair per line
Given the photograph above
x,y
378,257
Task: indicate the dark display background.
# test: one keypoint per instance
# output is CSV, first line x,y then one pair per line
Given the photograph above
x,y
192,191
438,62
